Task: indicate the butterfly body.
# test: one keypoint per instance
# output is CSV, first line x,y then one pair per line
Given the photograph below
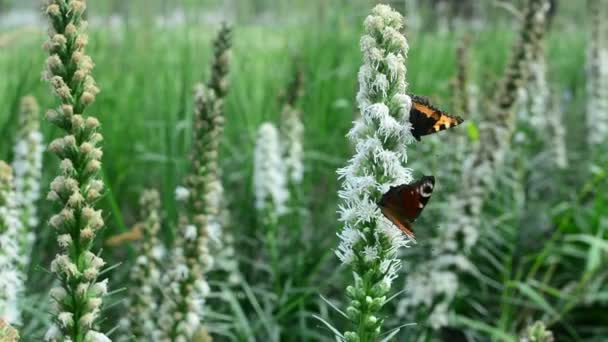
x,y
403,204
427,119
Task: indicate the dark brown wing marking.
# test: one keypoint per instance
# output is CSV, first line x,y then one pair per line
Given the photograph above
x,y
403,204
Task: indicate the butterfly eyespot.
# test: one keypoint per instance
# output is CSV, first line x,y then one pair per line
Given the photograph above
x,y
427,189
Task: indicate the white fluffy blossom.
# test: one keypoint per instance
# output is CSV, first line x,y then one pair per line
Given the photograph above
x,y
597,92
292,130
95,336
269,175
181,193
27,164
11,277
558,136
434,284
374,159
145,275
369,242
597,78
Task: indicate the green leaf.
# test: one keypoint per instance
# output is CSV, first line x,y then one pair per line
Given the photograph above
x,y
537,298
472,131
483,327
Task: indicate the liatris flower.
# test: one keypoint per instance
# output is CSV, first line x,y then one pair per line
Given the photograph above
x,y
496,135
459,234
369,242
27,166
292,130
535,95
464,101
8,333
182,313
462,97
537,333
597,76
555,123
271,193
223,240
145,274
269,176
11,277
78,299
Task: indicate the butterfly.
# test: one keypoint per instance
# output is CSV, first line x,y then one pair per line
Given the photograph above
x,y
426,119
403,204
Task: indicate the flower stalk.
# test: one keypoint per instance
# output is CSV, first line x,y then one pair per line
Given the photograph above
x,y
182,315
27,165
77,300
369,243
292,130
145,274
597,76
11,277
270,189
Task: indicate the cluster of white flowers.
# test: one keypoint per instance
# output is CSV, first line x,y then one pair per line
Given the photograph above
x,y
534,98
269,174
182,311
293,131
434,283
369,242
27,164
543,116
597,77
597,101
555,121
76,305
172,319
145,274
11,277
222,245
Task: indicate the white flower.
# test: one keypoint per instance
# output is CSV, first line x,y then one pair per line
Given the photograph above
x,y
293,131
181,193
345,253
53,334
95,336
100,288
66,319
370,253
190,232
269,176
597,90
350,236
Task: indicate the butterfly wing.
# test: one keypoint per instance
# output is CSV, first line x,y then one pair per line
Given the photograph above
x,y
404,203
426,119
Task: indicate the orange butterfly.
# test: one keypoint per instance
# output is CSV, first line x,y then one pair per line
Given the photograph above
x,y
403,204
426,119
